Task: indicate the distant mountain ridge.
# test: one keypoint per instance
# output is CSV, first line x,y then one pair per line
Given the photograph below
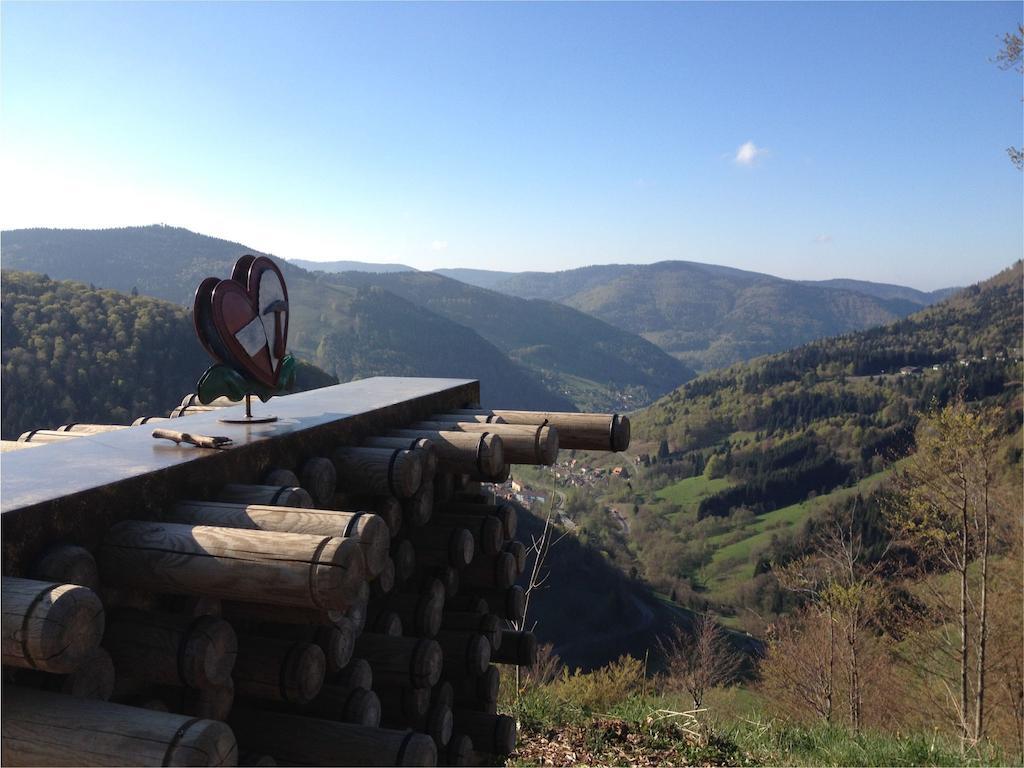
x,y
348,266
352,324
710,316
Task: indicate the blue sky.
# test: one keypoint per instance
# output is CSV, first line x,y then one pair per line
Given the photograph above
x,y
805,140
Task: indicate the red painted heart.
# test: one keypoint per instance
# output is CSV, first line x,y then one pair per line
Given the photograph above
x,y
243,322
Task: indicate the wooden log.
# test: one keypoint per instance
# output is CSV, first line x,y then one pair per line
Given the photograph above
x,y
497,572
442,693
524,444
269,495
428,455
403,554
444,487
213,703
401,661
466,654
403,707
487,624
357,674
420,611
314,741
581,431
66,564
467,604
279,670
441,545
378,471
518,550
171,649
42,436
450,580
148,420
338,643
459,751
439,724
126,597
281,477
387,623
385,581
190,410
487,529
256,760
493,734
369,529
291,569
459,451
281,614
474,691
387,507
145,701
193,605
356,612
505,512
501,477
90,429
347,705
418,508
93,679
99,733
519,648
439,721
317,475
47,626
15,445
507,603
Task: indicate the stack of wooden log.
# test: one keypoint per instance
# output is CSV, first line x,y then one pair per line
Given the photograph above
x,y
351,609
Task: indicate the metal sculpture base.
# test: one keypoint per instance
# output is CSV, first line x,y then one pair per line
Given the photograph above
x,y
248,418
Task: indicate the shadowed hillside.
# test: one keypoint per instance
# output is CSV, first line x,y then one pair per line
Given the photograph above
x,y
592,362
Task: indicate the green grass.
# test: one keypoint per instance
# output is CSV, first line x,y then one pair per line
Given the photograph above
x,y
689,492
731,563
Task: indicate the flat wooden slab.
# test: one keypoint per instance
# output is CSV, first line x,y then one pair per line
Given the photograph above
x,y
104,476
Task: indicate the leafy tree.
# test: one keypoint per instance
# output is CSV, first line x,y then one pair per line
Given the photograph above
x,y
949,511
1009,57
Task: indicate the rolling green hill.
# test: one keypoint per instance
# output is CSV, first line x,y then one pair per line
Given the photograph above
x,y
73,353
710,316
590,361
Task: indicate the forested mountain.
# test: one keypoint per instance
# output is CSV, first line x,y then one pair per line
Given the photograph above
x,y
593,362
74,353
348,266
734,468
710,316
355,328
482,278
885,290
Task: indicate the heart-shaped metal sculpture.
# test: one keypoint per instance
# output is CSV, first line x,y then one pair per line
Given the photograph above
x,y
243,321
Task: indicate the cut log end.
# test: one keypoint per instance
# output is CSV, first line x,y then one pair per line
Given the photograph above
x,y
209,653
49,627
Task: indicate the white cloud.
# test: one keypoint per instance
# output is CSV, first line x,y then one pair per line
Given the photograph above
x,y
748,154
439,245
823,239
